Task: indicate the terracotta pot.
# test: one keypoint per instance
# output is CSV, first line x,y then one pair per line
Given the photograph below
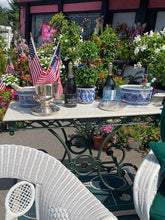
x,y
98,141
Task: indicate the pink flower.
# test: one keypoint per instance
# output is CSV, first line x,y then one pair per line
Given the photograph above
x,y
129,141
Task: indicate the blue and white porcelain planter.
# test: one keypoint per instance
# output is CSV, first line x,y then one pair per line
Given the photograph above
x,y
135,95
25,96
85,95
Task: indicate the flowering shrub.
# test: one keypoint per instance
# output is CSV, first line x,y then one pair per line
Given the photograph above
x,y
87,73
140,132
149,51
8,79
6,95
108,49
22,68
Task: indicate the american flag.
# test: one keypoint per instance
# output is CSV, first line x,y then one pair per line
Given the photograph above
x,y
34,63
2,85
53,72
10,67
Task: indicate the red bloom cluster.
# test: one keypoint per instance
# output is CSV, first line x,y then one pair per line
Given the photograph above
x,y
22,67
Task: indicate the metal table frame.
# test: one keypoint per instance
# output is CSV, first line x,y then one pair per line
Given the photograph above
x,y
82,161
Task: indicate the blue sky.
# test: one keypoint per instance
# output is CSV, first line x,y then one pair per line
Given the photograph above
x,y
4,3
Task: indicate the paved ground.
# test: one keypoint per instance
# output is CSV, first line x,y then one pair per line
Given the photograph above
x,y
43,139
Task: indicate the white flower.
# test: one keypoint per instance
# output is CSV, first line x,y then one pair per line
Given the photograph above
x,y
138,65
137,38
143,47
163,47
153,80
66,41
61,36
151,33
163,31
136,51
157,50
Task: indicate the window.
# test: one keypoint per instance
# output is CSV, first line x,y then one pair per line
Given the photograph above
x,y
37,22
124,17
160,24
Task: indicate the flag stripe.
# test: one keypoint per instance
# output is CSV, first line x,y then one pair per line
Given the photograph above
x,y
53,72
34,63
2,85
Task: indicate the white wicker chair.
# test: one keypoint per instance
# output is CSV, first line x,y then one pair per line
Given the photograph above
x,y
59,193
146,183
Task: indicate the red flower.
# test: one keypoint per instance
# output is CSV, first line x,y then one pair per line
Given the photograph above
x,y
96,40
103,48
96,64
101,76
92,61
101,60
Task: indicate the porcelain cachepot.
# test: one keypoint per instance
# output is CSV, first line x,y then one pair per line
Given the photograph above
x,y
135,94
25,96
85,95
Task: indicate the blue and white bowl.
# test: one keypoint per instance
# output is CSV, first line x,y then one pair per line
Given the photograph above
x,y
135,95
85,95
25,96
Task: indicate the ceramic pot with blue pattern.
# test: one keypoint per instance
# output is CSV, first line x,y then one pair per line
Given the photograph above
x,y
25,96
135,94
85,95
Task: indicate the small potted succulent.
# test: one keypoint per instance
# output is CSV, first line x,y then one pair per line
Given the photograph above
x,y
87,71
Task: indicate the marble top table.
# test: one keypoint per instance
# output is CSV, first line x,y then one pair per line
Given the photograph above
x,y
16,113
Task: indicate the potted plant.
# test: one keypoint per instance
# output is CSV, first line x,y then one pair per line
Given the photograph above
x,y
87,72
96,134
100,134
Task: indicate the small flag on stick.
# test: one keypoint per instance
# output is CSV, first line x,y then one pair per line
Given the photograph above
x,y
10,67
2,85
34,63
53,72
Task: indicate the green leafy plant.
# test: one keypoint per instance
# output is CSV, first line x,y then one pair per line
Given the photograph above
x,y
108,41
87,73
149,51
3,55
144,132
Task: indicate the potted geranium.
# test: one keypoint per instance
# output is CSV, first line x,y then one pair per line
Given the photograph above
x,y
87,72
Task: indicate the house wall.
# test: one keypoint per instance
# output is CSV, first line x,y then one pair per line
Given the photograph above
x,y
122,4
145,11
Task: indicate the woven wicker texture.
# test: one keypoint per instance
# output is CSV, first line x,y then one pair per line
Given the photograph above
x,y
146,183
59,193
